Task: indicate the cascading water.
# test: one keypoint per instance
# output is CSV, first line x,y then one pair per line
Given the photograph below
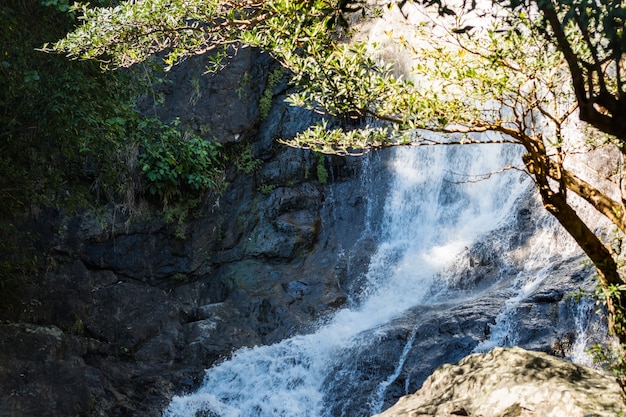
x,y
378,400
584,321
536,269
431,215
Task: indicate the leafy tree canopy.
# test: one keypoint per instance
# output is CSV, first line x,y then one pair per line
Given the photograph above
x,y
590,35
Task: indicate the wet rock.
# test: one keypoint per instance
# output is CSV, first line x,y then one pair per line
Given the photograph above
x,y
430,336
130,312
501,298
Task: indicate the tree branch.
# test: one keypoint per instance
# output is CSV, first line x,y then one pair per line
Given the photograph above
x,y
611,209
612,124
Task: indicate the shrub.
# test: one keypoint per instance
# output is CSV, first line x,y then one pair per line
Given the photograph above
x,y
265,102
173,161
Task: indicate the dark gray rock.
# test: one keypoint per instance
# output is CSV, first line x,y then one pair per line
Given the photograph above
x,y
223,105
43,373
129,312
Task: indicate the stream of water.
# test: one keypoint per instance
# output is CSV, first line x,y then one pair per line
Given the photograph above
x,y
434,210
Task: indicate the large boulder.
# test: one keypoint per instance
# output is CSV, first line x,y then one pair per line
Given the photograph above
x,y
513,382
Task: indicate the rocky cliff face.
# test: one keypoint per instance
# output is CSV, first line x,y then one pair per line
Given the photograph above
x,y
133,310
515,383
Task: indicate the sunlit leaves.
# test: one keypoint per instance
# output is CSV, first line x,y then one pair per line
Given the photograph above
x,y
496,74
135,30
131,32
590,33
338,141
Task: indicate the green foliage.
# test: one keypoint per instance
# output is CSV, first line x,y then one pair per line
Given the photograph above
x,y
131,32
63,133
265,102
322,172
511,75
244,84
71,136
245,161
78,327
180,277
173,161
177,212
595,34
60,5
610,357
338,141
266,189
146,30
18,261
65,125
343,80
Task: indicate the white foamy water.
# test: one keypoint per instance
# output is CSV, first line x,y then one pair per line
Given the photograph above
x,y
585,310
432,213
548,244
435,209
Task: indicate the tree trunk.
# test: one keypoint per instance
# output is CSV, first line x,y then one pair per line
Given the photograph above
x,y
591,91
602,259
608,275
556,203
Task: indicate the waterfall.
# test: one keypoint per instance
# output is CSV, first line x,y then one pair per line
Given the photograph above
x,y
584,320
439,205
553,244
434,210
379,396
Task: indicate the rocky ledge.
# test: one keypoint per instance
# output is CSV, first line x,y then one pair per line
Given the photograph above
x,y
513,382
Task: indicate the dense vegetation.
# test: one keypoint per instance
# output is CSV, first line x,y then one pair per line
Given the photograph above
x,y
72,137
